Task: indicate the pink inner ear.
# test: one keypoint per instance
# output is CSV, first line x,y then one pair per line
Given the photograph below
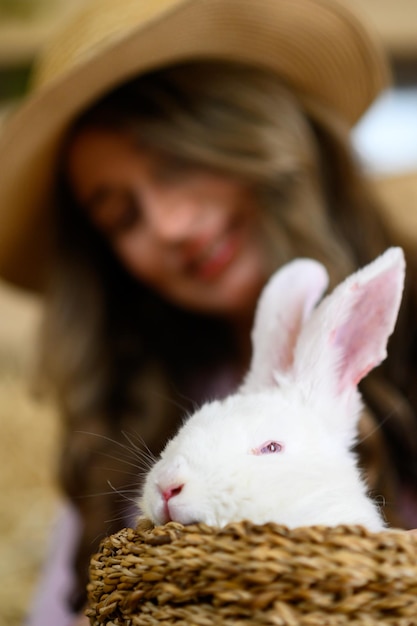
x,y
362,338
304,295
290,330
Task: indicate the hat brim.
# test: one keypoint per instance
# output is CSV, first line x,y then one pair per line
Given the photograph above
x,y
318,47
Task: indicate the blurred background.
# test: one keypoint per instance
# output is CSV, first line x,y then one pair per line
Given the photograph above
x,y
29,439
386,140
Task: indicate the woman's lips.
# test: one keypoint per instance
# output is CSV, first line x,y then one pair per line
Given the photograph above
x,y
215,257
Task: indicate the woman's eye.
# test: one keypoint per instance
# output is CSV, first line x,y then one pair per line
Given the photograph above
x,y
125,219
269,447
115,217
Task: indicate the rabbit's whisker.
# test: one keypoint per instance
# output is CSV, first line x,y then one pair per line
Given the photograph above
x,y
377,427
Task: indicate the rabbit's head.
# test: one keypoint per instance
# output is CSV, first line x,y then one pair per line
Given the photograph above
x,y
280,449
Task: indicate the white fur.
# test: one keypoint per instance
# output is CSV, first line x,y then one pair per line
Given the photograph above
x,y
301,391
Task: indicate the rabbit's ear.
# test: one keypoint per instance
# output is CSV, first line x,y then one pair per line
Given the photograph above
x,y
346,336
284,305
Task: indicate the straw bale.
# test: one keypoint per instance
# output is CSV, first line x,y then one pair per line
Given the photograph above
x,y
29,441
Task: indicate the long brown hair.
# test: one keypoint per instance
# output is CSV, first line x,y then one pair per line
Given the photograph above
x,y
124,360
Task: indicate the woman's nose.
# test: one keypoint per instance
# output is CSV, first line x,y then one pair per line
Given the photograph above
x,y
171,218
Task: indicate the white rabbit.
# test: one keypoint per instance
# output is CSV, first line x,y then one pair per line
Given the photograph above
x,y
280,449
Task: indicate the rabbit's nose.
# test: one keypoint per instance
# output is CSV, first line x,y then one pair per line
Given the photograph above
x,y
171,492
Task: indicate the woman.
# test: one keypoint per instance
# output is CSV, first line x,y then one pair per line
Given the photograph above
x,y
175,156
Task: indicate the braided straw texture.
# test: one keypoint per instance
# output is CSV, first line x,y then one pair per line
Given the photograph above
x,y
248,574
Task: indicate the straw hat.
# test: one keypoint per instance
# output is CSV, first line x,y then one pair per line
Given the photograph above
x,y
317,46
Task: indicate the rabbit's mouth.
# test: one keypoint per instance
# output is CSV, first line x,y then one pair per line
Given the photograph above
x,y
181,510
180,514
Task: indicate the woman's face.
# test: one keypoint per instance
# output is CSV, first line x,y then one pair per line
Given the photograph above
x,y
191,234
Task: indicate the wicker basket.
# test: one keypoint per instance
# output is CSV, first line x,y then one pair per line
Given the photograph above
x,y
247,574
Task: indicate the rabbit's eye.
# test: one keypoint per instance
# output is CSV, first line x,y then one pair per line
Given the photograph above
x,y
269,447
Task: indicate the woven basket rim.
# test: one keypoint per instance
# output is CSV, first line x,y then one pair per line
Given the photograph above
x,y
247,573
